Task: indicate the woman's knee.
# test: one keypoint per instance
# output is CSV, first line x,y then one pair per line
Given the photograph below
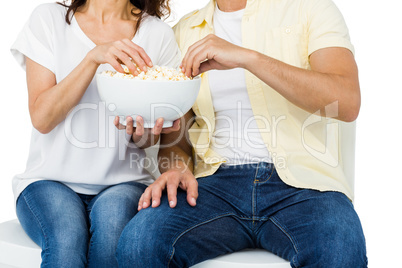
x,y
113,208
47,218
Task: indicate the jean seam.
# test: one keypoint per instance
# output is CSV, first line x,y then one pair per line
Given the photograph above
x,y
254,203
283,229
243,218
88,211
191,228
256,172
295,262
37,219
255,193
291,238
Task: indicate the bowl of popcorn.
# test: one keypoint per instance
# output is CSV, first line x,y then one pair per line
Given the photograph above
x,y
161,92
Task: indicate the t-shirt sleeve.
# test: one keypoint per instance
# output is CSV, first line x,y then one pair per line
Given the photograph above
x,y
170,52
327,27
35,40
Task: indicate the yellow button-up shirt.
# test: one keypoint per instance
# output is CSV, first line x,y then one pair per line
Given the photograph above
x,y
308,151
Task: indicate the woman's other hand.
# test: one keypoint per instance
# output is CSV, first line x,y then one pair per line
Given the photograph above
x,y
145,137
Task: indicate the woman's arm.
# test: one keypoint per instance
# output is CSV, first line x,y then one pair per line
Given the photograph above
x,y
50,102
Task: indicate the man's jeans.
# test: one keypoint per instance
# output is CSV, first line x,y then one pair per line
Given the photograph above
x,y
76,230
242,207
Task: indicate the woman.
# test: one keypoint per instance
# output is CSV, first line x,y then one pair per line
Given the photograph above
x,y
84,177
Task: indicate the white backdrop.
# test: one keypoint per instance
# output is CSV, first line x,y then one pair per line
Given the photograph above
x,y
375,29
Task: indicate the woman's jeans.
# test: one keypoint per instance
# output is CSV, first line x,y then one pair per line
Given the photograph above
x,y
77,230
242,207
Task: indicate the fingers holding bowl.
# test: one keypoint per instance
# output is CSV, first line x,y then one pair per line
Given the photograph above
x,y
117,123
139,129
129,125
157,129
174,128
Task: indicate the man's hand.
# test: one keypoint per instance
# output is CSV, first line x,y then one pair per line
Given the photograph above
x,y
170,180
176,165
333,76
145,137
212,53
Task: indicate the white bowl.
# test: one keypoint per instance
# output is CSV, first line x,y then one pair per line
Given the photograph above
x,y
150,99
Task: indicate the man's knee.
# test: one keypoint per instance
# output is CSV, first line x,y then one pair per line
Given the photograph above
x,y
336,252
336,244
143,243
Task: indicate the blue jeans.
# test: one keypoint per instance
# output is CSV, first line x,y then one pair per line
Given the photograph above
x,y
242,207
76,230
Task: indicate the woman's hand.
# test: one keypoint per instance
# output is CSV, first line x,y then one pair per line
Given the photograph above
x,y
125,52
50,102
145,137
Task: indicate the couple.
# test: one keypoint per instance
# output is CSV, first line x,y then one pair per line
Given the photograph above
x,y
236,170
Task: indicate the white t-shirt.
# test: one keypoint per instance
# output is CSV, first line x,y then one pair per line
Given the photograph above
x,y
85,152
236,136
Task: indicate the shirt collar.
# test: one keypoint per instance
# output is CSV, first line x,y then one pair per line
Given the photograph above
x,y
205,14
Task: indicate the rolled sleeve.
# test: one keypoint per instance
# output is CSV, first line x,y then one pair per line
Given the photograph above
x,y
34,42
327,27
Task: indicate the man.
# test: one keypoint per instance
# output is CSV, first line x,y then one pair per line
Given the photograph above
x,y
287,69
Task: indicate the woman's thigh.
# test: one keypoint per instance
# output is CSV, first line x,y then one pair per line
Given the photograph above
x,y
114,204
114,207
109,213
54,217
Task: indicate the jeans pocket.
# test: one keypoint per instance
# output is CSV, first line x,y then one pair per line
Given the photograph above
x,y
264,172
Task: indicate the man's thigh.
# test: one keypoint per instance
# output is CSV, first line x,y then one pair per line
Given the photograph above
x,y
315,229
185,235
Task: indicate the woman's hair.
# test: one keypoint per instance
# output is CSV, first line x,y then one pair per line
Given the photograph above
x,y
157,8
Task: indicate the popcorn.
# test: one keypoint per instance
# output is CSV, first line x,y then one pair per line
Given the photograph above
x,y
160,73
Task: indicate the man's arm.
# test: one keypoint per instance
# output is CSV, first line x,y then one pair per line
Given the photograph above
x,y
176,165
333,76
